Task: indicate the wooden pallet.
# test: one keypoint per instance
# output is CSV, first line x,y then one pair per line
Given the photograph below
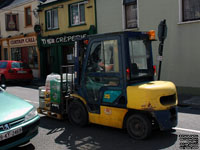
x,y
50,114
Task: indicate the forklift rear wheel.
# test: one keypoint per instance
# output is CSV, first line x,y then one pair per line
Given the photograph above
x,y
139,126
77,113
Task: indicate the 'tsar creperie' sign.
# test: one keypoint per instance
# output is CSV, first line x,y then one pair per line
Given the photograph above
x,y
61,39
23,41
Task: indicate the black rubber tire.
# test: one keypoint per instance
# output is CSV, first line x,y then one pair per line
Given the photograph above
x,y
139,126
3,79
77,114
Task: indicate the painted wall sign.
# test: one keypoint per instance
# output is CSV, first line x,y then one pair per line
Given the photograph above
x,y
61,39
22,41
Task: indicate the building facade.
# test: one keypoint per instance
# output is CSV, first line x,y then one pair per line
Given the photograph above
x,y
181,53
18,39
60,23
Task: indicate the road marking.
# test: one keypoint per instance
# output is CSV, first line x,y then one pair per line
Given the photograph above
x,y
31,101
188,130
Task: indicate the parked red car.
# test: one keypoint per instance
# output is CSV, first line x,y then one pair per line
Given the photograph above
x,y
15,71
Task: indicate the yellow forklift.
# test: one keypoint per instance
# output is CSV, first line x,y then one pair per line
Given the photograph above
x,y
111,83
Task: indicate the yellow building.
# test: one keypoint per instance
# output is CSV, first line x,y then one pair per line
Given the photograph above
x,y
60,23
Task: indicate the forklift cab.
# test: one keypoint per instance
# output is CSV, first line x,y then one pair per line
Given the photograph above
x,y
113,62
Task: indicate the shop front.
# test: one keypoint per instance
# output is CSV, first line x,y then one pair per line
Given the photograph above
x,y
22,48
58,50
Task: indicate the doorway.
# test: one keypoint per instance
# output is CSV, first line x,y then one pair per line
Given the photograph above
x,y
68,54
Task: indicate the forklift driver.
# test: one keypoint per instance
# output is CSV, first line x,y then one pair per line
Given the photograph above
x,y
107,59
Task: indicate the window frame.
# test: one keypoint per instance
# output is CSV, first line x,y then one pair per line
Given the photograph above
x,y
181,14
79,14
26,15
16,21
129,3
52,25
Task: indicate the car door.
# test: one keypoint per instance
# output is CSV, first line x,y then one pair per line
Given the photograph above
x,y
103,79
15,66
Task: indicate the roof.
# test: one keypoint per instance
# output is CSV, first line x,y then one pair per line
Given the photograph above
x,y
48,1
4,3
11,3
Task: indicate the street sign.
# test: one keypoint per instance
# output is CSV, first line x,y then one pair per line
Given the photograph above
x,y
162,30
160,58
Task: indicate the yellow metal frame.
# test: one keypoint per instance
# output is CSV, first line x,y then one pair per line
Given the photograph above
x,y
144,97
109,116
147,96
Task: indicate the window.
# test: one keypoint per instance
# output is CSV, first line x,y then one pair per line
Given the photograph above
x,y
26,54
3,65
130,7
77,14
140,57
15,65
19,65
11,22
190,10
32,57
28,16
104,57
16,54
52,19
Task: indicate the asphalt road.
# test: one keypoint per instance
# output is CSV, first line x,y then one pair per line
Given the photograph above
x,y
61,135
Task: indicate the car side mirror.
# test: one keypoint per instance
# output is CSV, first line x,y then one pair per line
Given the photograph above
x,y
3,86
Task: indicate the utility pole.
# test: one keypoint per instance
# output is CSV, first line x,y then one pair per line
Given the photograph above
x,y
162,34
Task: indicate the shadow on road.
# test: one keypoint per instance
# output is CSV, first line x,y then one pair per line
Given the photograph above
x,y
95,137
32,85
25,147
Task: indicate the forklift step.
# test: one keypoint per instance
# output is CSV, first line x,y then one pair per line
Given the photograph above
x,y
50,114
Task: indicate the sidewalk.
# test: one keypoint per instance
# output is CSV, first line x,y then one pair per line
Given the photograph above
x,y
189,100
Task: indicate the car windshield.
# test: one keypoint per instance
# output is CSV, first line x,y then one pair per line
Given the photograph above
x,y
3,65
140,57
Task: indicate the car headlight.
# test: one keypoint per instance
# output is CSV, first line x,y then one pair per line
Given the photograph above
x,y
31,114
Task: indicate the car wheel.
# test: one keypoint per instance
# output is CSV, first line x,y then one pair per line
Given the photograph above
x,y
139,126
3,79
77,113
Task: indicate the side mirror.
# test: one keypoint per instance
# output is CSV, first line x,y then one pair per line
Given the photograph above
x,y
3,86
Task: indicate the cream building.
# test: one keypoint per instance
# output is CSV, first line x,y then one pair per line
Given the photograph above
x,y
18,38
181,48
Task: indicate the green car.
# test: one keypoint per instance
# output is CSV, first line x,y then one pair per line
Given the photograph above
x,y
19,120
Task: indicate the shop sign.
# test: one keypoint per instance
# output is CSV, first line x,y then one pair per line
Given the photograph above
x,y
61,39
23,41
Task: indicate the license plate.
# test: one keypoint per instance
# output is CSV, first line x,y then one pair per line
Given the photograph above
x,y
21,71
10,134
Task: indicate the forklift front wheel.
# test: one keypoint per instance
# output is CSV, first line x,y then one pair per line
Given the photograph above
x,y
139,126
77,113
